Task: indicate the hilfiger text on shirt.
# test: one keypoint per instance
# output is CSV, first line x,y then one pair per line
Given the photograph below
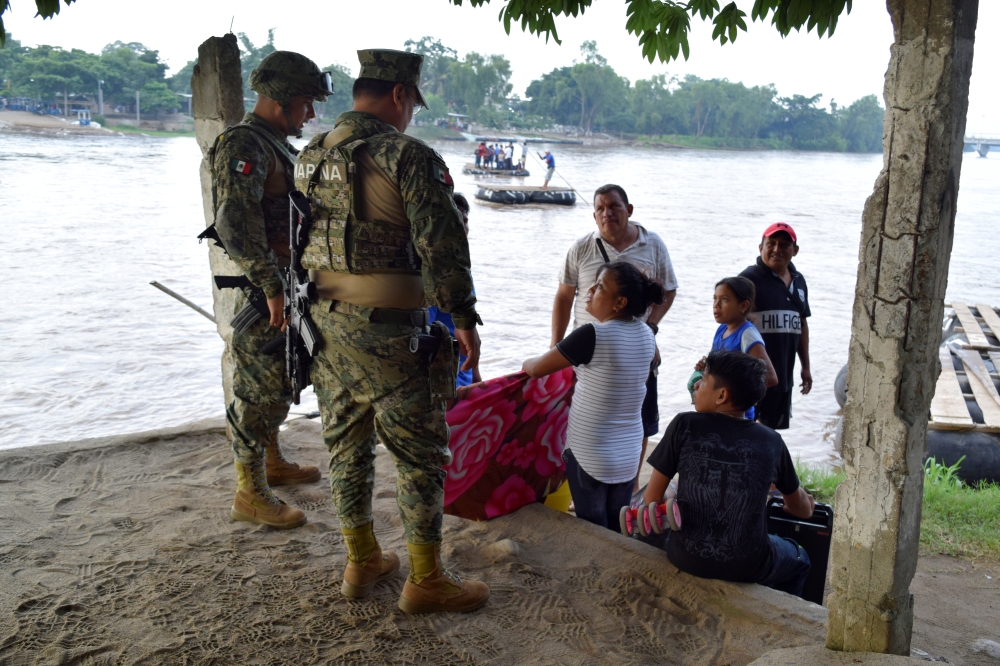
x,y
779,321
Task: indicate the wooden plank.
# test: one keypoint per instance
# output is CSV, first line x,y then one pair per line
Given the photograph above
x,y
975,427
990,317
982,386
948,406
977,339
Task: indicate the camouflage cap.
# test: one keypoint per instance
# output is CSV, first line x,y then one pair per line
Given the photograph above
x,y
283,75
396,66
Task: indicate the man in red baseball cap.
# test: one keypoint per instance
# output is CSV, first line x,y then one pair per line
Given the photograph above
x,y
780,312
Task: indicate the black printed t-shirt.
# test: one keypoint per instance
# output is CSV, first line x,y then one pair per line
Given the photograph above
x,y
726,467
778,313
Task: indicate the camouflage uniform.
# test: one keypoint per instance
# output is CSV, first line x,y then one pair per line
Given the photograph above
x,y
366,378
252,222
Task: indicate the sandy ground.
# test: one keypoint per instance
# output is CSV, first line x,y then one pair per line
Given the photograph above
x,y
22,121
121,551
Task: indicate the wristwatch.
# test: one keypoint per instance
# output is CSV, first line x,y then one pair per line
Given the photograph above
x,y
656,329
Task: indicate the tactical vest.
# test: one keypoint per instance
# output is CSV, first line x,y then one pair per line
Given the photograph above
x,y
338,240
276,210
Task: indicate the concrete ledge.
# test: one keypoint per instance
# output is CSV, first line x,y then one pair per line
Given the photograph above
x,y
817,655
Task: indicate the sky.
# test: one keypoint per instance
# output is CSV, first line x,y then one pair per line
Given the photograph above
x,y
845,67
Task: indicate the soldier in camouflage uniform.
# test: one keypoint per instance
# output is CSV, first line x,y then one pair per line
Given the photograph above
x,y
387,240
253,175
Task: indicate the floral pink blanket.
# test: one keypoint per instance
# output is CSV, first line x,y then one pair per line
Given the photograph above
x,y
507,438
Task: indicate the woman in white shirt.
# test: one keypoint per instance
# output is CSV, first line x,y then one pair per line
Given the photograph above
x,y
612,359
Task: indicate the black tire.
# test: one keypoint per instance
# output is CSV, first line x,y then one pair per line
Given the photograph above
x,y
840,386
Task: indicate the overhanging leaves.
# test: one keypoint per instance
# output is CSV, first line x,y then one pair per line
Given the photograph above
x,y
46,9
662,26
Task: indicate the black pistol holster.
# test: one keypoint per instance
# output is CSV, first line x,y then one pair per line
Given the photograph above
x,y
436,345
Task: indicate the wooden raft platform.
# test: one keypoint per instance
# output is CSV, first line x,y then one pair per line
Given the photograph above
x,y
949,410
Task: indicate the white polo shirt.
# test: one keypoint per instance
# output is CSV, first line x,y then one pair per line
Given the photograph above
x,y
648,253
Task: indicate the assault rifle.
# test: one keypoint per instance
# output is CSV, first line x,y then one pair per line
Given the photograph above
x,y
256,305
302,340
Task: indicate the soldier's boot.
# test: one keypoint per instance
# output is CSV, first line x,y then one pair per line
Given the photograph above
x,y
255,503
366,563
431,588
282,472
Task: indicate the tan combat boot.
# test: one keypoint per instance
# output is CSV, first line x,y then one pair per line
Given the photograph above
x,y
430,588
366,564
281,472
255,503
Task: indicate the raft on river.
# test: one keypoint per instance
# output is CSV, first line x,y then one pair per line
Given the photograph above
x,y
965,412
504,194
473,170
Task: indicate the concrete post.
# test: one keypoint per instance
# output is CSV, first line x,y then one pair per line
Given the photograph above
x,y
906,240
217,100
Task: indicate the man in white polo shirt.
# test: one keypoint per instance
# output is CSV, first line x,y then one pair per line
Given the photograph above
x,y
615,239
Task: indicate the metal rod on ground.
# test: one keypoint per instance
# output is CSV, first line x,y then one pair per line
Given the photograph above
x,y
542,164
183,300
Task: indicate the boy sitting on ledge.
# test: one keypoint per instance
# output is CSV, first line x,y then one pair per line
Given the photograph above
x,y
726,466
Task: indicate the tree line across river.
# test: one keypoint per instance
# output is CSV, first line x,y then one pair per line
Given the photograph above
x,y
589,95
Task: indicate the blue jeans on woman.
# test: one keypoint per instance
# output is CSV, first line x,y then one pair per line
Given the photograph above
x,y
595,501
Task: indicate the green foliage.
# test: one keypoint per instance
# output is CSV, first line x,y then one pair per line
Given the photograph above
x,y
474,85
861,125
48,72
46,9
820,481
662,26
251,55
436,107
341,100
699,113
937,474
181,81
157,96
437,61
957,519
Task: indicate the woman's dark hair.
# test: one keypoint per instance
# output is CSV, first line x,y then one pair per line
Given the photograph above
x,y
742,288
742,374
461,202
640,291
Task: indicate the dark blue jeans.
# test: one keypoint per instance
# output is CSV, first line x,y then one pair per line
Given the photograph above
x,y
595,501
790,569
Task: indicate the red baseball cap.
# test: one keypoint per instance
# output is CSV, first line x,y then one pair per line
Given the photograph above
x,y
780,226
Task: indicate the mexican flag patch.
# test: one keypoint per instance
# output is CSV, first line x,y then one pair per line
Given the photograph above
x,y
241,166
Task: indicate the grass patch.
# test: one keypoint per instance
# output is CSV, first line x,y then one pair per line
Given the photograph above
x,y
958,519
820,481
128,129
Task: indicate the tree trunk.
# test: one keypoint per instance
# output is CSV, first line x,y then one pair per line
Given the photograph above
x,y
217,100
906,239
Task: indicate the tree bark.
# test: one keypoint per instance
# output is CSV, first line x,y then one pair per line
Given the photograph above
x,y
906,241
217,100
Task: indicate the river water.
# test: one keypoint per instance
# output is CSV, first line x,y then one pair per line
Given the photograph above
x,y
88,348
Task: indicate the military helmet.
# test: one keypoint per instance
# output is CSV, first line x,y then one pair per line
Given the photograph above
x,y
394,66
283,75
